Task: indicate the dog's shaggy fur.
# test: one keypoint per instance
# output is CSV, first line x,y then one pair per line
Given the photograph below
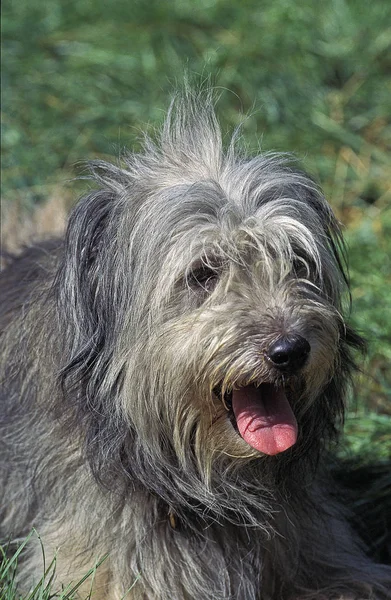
x,y
151,364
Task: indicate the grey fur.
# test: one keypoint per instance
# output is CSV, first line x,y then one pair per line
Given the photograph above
x,y
174,279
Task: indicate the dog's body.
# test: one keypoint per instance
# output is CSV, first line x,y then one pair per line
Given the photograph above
x,y
172,373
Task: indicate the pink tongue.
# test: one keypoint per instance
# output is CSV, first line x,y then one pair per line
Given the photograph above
x,y
264,417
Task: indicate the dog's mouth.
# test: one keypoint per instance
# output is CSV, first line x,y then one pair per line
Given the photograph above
x,y
263,417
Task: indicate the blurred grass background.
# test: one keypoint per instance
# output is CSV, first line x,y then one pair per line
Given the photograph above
x,y
82,78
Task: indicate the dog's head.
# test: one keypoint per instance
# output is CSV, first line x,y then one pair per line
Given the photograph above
x,y
203,299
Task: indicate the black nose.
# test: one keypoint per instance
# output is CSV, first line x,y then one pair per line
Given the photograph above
x,y
289,353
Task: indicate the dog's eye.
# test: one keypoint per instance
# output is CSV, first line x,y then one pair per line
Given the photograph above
x,y
203,278
301,268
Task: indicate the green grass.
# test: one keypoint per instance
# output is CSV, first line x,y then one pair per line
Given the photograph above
x,y
369,244
45,588
82,78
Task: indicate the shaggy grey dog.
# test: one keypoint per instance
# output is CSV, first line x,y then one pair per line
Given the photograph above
x,y
172,374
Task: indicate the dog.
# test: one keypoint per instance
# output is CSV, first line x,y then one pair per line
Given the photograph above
x,y
174,371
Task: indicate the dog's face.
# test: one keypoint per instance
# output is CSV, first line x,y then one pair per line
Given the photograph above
x,y
203,294
237,314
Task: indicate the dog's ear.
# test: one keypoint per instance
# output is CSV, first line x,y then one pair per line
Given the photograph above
x,y
85,288
84,243
327,229
92,293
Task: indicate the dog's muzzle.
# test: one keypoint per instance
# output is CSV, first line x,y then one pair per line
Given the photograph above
x,y
261,412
